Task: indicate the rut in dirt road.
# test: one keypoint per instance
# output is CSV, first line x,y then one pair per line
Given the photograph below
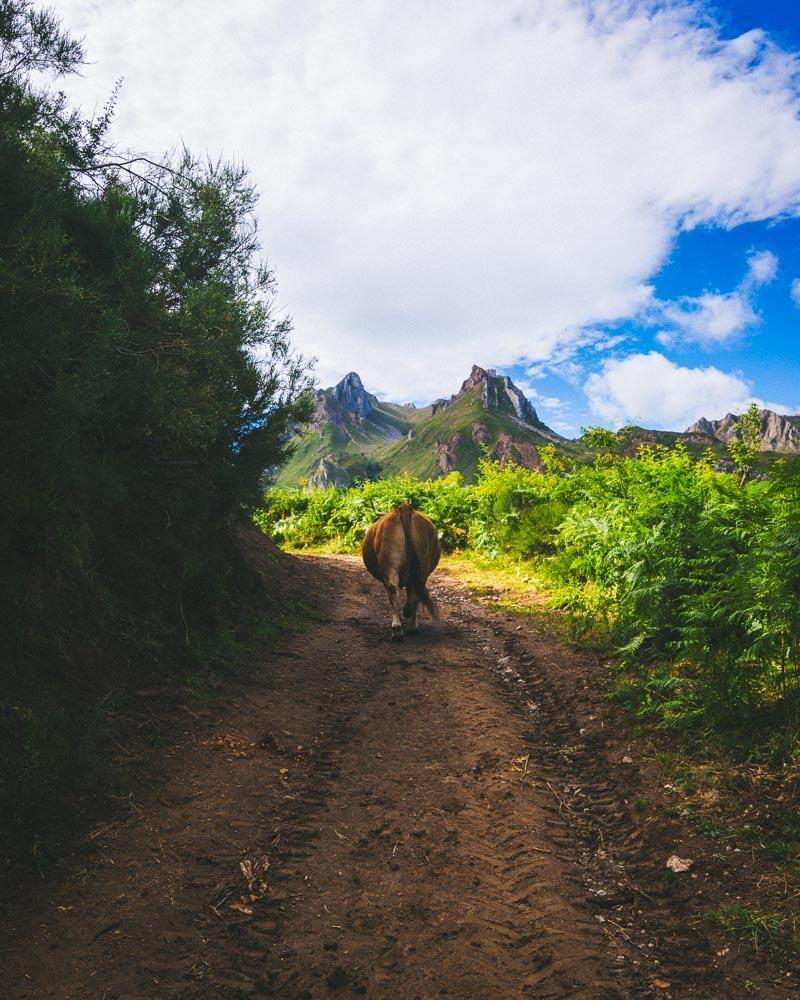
x,y
391,821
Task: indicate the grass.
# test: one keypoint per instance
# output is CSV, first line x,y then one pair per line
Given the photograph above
x,y
506,585
724,792
765,931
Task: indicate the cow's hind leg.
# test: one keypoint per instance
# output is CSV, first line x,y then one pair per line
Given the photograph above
x,y
393,590
410,609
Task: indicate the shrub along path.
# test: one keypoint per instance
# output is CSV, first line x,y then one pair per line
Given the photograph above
x,y
452,816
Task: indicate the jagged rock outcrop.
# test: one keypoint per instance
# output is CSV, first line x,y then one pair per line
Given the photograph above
x,y
510,449
703,426
497,392
329,473
481,434
351,395
496,389
347,397
446,452
778,433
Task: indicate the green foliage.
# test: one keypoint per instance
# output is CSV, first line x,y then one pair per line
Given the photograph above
x,y
339,519
600,440
692,576
145,384
518,510
680,565
746,445
662,695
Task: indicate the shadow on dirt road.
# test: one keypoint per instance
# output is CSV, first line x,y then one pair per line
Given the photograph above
x,y
443,817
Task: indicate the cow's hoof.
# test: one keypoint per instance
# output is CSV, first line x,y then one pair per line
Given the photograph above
x,y
397,633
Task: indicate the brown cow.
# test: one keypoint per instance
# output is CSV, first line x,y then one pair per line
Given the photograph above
x,y
401,549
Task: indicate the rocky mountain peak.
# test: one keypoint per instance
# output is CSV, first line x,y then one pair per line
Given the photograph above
x,y
328,473
778,433
497,393
477,376
351,395
356,435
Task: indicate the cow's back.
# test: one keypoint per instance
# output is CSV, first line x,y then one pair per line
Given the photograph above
x,y
384,547
401,549
426,542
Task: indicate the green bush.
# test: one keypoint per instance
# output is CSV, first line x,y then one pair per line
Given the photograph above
x,y
691,574
682,564
145,385
338,519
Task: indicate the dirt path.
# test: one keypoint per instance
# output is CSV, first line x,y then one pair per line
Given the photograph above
x,y
446,817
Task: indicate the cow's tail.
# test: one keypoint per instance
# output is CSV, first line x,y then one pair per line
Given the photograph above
x,y
414,568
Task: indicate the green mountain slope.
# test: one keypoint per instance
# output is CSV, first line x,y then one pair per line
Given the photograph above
x,y
454,438
355,436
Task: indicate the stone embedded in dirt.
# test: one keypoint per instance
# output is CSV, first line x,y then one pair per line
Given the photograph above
x,y
238,987
269,741
678,865
337,979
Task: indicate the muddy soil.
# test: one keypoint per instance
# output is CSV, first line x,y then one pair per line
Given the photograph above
x,y
447,817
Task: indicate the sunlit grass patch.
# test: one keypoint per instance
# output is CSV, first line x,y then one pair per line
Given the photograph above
x,y
768,931
507,585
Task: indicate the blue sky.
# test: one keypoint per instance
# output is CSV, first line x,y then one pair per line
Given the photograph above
x,y
599,197
779,17
765,354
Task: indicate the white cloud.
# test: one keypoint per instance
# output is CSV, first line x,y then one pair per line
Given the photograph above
x,y
762,267
539,400
651,390
794,291
707,319
717,317
609,342
446,183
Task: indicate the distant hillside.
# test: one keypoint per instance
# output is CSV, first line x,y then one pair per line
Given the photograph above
x,y
778,433
353,435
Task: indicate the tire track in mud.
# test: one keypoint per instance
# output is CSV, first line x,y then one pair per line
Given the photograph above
x,y
654,925
440,818
476,911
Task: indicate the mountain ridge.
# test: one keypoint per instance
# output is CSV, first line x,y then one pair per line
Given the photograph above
x,y
779,432
354,435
